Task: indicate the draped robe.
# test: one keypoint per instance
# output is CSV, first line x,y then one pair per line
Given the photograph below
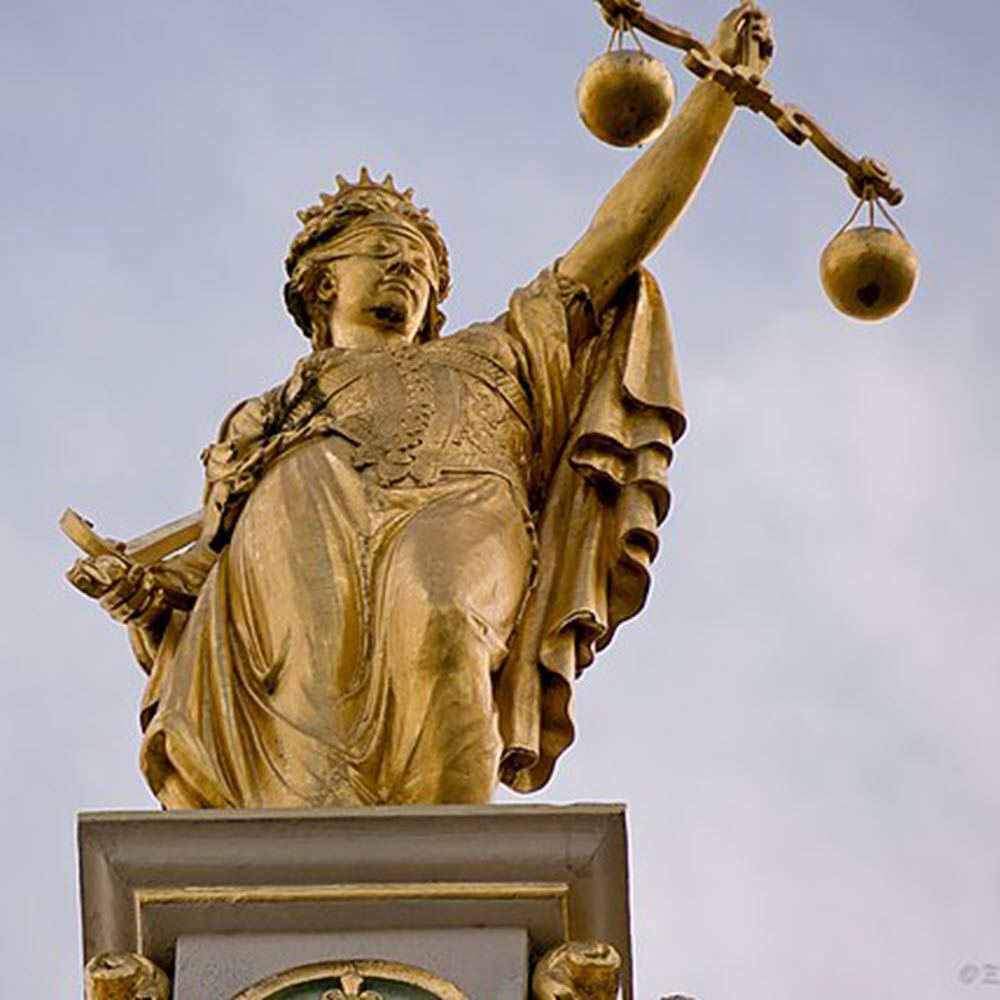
x,y
409,556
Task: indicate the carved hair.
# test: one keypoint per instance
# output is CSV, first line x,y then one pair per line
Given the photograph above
x,y
307,265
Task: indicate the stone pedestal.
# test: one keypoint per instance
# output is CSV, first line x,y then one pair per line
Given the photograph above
x,y
222,900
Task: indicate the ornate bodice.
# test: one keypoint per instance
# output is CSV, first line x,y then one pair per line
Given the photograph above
x,y
406,416
419,412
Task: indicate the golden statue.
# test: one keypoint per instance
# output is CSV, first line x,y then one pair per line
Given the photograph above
x,y
411,548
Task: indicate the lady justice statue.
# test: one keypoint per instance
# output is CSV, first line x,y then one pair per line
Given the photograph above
x,y
411,548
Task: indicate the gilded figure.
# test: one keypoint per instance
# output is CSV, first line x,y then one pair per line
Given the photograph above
x,y
410,549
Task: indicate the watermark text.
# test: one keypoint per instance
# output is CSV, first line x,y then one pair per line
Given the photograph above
x,y
979,974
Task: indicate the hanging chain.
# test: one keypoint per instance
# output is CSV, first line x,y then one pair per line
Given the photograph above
x,y
620,22
870,197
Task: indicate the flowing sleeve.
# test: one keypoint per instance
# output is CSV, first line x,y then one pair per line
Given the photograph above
x,y
611,411
239,439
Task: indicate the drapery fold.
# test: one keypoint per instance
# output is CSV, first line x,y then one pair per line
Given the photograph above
x,y
597,530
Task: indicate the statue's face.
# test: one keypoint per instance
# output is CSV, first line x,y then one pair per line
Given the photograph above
x,y
382,289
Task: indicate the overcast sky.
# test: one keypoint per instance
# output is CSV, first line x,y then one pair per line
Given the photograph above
x,y
805,722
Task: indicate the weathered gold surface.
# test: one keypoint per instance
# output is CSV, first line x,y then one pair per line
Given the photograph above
x,y
625,97
412,547
125,977
868,272
577,970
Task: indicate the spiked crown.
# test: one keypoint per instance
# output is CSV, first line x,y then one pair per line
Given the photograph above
x,y
337,212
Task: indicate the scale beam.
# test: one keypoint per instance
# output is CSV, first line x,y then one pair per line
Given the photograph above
x,y
866,176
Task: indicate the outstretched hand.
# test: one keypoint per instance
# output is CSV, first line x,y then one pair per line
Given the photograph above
x,y
744,27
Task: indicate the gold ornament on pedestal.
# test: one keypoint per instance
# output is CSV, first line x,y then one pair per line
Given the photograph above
x,y
124,976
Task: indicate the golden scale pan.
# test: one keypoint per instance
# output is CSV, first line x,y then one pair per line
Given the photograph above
x,y
625,97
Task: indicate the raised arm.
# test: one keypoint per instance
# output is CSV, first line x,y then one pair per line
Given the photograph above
x,y
644,205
